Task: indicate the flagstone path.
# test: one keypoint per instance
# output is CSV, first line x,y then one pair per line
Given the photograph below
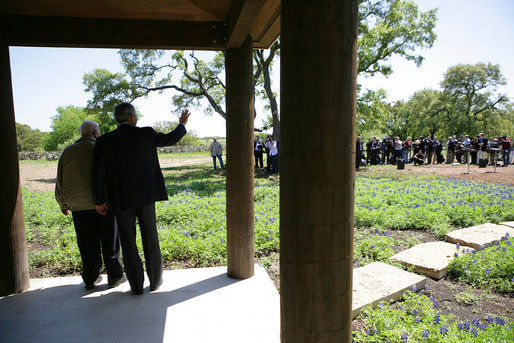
x,y
378,282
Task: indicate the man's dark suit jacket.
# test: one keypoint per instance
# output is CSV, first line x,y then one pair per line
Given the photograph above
x,y
126,166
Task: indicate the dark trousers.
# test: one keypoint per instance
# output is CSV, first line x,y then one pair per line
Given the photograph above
x,y
258,158
153,260
97,235
429,157
474,157
274,164
220,159
358,157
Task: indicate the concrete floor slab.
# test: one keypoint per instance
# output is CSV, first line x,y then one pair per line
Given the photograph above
x,y
431,258
509,224
380,282
480,235
192,305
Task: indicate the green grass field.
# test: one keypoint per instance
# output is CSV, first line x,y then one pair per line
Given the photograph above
x,y
192,231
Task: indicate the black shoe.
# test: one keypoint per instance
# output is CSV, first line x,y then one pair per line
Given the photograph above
x,y
137,292
95,283
155,287
117,282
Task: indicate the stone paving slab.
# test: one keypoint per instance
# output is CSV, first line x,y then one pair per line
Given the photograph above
x,y
380,282
509,224
480,235
192,305
431,259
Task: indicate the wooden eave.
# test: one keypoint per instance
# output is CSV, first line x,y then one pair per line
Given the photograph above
x,y
158,24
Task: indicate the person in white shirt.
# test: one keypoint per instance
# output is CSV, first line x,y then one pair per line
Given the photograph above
x,y
466,148
272,148
216,150
397,149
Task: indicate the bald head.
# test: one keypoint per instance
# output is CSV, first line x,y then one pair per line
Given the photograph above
x,y
89,129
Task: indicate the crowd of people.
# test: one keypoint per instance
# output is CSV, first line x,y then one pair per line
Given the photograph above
x,y
429,150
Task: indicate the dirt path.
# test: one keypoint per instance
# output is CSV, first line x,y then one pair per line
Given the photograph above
x,y
504,176
41,176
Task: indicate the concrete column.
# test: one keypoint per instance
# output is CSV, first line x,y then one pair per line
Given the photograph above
x,y
240,215
317,159
14,270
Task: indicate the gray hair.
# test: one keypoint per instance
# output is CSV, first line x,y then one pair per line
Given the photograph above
x,y
88,128
123,111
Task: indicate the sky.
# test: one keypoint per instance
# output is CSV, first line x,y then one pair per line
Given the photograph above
x,y
468,32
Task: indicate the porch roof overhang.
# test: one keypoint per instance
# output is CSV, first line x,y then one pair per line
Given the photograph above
x,y
157,24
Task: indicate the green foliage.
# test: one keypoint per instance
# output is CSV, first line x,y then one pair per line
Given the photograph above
x,y
66,127
475,104
108,89
29,139
489,267
372,111
392,27
166,126
50,234
424,111
418,319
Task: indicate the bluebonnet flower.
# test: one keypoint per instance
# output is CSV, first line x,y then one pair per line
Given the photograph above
x,y
405,337
456,255
489,319
437,318
463,326
500,321
444,330
414,312
474,332
414,288
425,333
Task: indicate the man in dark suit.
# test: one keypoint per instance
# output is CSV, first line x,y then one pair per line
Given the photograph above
x,y
127,169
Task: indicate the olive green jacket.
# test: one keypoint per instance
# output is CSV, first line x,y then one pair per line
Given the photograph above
x,y
73,189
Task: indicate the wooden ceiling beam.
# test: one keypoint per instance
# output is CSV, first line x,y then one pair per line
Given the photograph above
x,y
241,20
111,33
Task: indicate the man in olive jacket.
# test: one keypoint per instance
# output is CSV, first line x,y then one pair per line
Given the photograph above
x,y
96,234
126,167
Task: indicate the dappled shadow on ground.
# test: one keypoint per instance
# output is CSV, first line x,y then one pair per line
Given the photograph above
x,y
178,179
207,182
54,180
